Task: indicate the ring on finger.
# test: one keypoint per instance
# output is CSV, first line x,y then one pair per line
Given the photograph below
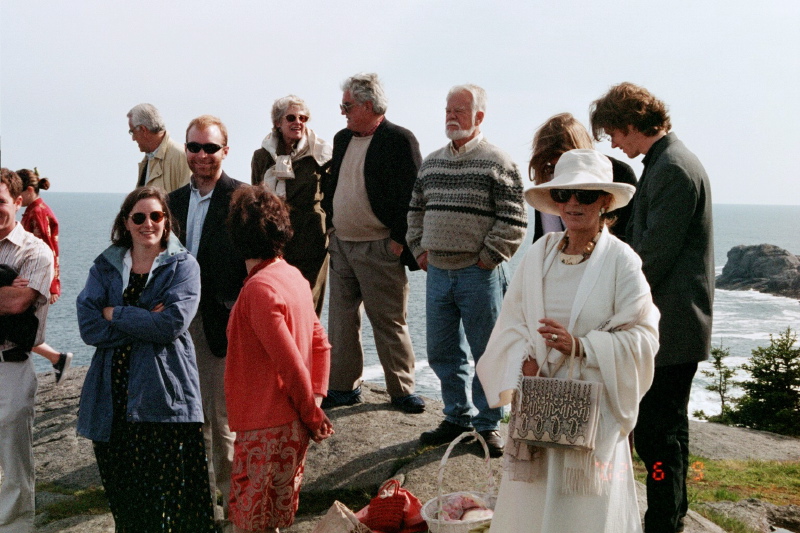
x,y
553,337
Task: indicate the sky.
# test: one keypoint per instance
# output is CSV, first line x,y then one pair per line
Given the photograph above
x,y
729,70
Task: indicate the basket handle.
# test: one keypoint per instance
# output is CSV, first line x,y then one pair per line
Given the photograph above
x,y
486,461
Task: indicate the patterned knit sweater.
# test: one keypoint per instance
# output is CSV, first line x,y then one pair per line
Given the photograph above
x,y
467,207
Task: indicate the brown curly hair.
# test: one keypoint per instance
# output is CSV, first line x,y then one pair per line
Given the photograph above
x,y
258,222
626,105
12,182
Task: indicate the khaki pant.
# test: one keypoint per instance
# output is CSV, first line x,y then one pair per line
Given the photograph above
x,y
17,397
218,436
367,275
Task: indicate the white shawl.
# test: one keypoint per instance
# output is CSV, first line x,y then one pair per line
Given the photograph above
x,y
309,146
613,315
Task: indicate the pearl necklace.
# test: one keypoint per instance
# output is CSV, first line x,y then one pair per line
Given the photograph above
x,y
575,259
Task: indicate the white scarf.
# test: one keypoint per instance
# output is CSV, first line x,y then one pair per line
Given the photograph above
x,y
309,146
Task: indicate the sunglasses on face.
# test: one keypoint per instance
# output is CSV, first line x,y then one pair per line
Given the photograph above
x,y
562,196
346,107
139,218
292,118
209,148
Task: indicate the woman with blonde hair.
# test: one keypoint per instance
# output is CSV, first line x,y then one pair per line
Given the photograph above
x,y
562,133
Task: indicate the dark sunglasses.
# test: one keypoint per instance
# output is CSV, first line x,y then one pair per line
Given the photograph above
x,y
209,148
139,218
562,196
347,107
292,118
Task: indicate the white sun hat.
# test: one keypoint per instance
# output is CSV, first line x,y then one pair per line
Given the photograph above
x,y
580,169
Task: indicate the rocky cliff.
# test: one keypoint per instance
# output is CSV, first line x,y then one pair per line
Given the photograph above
x,y
764,268
373,442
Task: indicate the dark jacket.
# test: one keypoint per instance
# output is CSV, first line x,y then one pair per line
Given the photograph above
x,y
163,384
623,173
20,329
222,269
671,230
390,170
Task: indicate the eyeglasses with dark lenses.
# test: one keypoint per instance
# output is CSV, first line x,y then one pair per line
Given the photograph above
x,y
292,118
346,107
562,196
209,148
139,218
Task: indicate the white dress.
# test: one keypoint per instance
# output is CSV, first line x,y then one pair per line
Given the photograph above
x,y
613,315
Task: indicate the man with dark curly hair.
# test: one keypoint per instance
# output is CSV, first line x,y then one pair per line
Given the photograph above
x,y
671,230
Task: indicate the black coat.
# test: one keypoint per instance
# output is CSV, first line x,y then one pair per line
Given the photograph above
x,y
222,269
390,170
671,229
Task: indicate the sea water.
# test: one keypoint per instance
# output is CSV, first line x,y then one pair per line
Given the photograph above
x,y
743,320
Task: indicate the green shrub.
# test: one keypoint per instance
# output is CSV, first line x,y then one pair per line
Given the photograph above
x,y
772,394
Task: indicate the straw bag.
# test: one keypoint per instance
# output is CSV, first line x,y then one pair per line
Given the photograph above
x,y
432,510
557,412
340,519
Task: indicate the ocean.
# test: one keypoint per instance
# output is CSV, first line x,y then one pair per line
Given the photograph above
x,y
743,320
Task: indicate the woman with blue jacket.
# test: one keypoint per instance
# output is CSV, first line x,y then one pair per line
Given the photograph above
x,y
140,403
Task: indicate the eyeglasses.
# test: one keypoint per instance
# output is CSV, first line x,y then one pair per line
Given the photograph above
x,y
132,131
347,107
562,196
209,148
139,218
301,118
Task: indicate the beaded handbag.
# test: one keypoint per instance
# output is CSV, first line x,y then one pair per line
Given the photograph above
x,y
557,412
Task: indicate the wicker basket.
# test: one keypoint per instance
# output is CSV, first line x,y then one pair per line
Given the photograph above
x,y
432,508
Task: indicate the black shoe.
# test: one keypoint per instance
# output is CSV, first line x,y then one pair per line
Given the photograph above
x,y
411,403
681,525
338,398
493,441
444,434
60,368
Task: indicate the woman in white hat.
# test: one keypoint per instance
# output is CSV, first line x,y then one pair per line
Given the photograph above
x,y
584,288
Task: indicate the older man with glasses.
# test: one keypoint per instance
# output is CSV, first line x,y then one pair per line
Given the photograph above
x,y
164,164
373,170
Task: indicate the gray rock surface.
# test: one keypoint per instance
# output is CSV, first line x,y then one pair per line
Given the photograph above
x,y
373,442
764,267
760,516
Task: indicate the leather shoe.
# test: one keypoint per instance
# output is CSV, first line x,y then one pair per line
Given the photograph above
x,y
445,433
338,398
493,441
411,403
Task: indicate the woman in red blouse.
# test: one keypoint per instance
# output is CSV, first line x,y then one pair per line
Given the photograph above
x,y
277,367
40,220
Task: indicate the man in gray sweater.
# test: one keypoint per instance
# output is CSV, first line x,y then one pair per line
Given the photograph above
x,y
465,219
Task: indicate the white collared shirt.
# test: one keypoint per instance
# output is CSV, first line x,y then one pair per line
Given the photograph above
x,y
469,145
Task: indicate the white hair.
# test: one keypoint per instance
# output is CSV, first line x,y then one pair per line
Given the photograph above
x,y
366,87
148,116
477,93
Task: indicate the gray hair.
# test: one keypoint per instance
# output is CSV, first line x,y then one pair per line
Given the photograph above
x,y
282,105
366,87
478,95
148,116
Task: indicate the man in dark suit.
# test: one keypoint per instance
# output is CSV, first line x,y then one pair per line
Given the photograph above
x,y
373,170
671,229
201,207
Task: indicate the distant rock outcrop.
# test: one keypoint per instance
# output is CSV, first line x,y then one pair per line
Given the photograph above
x,y
764,268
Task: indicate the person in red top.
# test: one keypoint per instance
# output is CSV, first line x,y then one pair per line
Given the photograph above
x,y
277,368
40,220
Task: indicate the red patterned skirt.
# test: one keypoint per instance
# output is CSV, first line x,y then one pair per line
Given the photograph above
x,y
267,472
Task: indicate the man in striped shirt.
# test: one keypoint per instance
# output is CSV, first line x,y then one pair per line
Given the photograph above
x,y
33,261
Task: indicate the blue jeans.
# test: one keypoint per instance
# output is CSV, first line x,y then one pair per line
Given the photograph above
x,y
462,306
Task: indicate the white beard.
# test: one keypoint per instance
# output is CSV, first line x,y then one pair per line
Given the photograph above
x,y
455,135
